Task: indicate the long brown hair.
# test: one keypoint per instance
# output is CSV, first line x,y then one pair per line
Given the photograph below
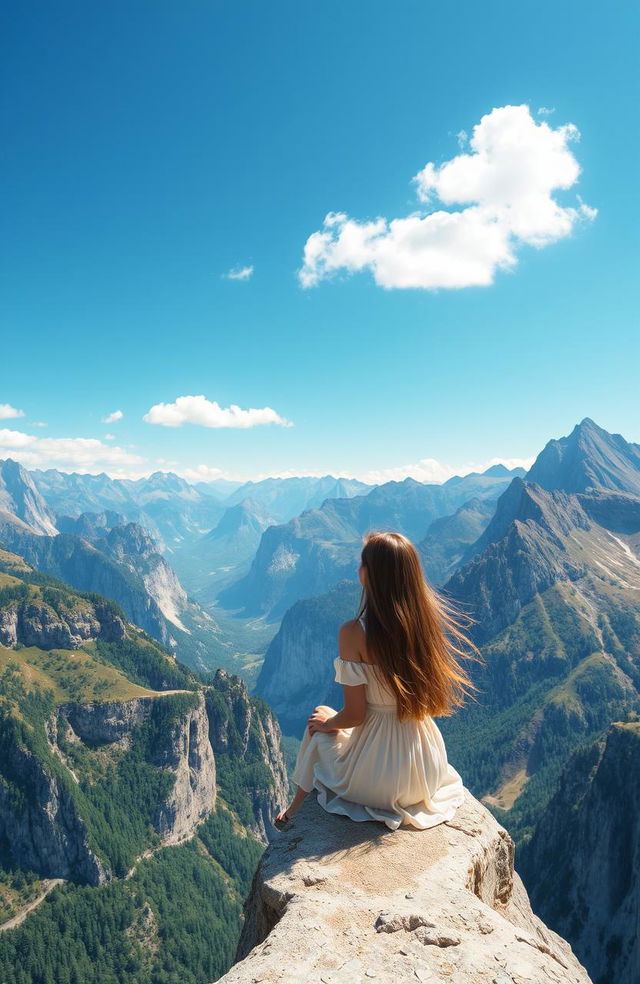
x,y
415,635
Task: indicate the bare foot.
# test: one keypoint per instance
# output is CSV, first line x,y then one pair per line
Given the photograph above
x,y
286,815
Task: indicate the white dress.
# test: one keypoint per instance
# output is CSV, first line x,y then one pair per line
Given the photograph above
x,y
385,769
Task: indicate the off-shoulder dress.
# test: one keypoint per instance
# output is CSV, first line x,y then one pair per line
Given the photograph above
x,y
393,771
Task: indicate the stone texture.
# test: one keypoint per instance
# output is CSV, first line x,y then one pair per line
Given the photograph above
x,y
190,758
339,902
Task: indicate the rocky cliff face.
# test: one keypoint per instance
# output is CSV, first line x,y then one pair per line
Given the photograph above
x,y
35,623
186,754
583,863
132,547
40,811
41,821
345,903
245,737
190,758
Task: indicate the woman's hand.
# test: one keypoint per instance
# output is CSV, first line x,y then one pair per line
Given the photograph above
x,y
318,720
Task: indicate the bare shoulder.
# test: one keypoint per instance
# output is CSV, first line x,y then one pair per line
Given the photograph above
x,y
351,641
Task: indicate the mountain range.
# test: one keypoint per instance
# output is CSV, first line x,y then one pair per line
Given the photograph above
x,y
312,552
547,563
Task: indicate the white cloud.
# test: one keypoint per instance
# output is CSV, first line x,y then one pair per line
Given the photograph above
x,y
432,471
425,470
204,473
239,273
500,195
109,437
39,423
7,411
546,111
67,453
112,418
462,137
208,413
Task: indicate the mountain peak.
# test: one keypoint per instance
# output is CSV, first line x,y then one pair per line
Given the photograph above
x,y
588,458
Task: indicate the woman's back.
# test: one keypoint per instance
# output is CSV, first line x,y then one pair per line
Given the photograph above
x,y
385,769
378,694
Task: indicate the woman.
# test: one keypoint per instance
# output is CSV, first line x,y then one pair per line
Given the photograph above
x,y
382,757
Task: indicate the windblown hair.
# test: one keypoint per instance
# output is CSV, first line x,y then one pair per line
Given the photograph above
x,y
414,634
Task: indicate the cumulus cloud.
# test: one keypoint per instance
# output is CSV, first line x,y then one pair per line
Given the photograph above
x,y
113,418
476,210
546,111
7,411
208,413
67,453
239,273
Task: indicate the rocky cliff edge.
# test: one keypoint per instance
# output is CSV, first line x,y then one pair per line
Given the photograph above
x,y
338,902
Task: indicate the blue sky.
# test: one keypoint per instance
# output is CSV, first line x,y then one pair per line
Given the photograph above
x,y
150,148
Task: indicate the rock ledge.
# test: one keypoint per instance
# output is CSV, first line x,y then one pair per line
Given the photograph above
x,y
338,902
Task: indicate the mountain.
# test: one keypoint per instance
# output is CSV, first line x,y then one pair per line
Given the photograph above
x,y
530,543
176,512
554,584
449,539
123,563
165,504
87,568
555,594
588,458
19,497
131,546
284,498
219,488
583,862
225,553
312,552
134,800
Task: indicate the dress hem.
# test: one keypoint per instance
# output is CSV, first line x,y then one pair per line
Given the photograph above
x,y
363,814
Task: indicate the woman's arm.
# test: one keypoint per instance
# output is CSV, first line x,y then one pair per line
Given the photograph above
x,y
355,702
